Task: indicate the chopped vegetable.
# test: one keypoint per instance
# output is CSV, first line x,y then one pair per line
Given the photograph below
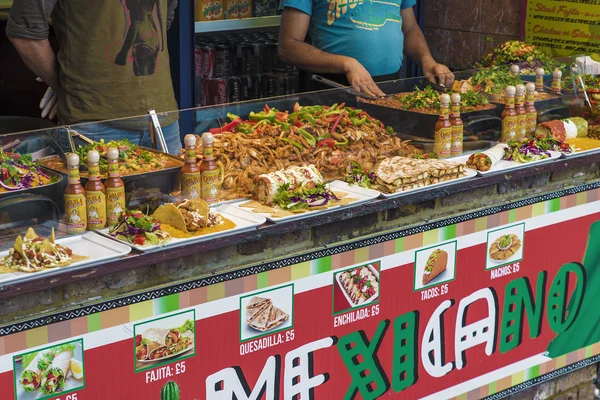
x,y
137,228
303,197
357,175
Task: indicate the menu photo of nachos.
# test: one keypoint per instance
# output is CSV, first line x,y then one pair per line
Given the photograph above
x,y
505,246
49,372
356,287
267,312
164,340
435,265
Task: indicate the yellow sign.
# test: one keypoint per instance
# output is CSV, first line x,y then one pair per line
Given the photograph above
x,y
564,27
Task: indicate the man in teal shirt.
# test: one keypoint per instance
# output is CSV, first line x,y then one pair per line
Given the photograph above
x,y
356,41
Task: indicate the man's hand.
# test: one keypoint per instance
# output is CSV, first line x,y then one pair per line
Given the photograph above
x,y
360,79
434,71
48,104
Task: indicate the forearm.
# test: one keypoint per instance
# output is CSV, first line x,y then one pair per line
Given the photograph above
x,y
40,59
416,47
311,59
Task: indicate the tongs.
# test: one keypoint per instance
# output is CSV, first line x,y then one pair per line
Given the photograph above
x,y
349,89
156,134
438,87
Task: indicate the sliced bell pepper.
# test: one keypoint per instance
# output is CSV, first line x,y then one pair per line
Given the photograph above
x,y
358,122
342,143
269,116
327,142
244,128
306,135
389,130
324,136
267,108
259,124
293,143
284,125
337,121
226,128
232,116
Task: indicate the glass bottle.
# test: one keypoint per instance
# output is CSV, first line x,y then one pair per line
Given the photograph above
x,y
539,79
210,171
115,188
75,214
95,194
556,81
457,126
509,116
530,109
442,145
522,132
190,172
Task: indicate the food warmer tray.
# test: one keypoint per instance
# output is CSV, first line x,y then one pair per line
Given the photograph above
x,y
52,190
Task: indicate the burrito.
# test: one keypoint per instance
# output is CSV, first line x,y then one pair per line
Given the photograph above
x,y
436,264
266,185
55,377
164,337
31,377
563,129
486,160
142,352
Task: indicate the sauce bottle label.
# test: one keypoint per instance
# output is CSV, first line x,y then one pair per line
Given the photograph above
x,y
457,140
520,100
531,122
556,85
211,183
113,170
190,155
443,142
539,83
522,126
509,128
190,185
73,175
530,99
94,173
510,102
115,204
444,112
455,111
96,209
75,214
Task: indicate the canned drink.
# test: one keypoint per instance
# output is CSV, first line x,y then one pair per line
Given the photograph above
x,y
208,54
223,60
263,8
215,91
245,8
232,9
251,87
234,89
281,84
197,61
198,91
269,85
253,56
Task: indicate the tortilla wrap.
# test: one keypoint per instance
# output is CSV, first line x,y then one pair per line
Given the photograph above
x,y
568,128
278,317
31,377
142,352
156,335
262,320
255,307
486,160
266,185
436,264
55,377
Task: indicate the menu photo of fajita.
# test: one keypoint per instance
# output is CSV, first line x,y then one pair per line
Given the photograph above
x,y
435,265
267,312
505,246
49,372
164,340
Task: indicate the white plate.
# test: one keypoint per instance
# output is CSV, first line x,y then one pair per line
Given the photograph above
x,y
503,165
347,296
243,220
576,153
469,173
167,357
360,193
91,244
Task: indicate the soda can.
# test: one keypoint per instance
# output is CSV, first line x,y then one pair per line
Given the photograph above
x,y
197,61
209,60
215,91
234,89
224,60
269,86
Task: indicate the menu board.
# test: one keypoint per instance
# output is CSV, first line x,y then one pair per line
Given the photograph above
x,y
469,307
564,27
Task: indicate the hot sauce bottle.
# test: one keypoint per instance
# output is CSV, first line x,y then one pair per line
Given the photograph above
x,y
75,214
556,81
95,194
515,70
530,109
522,132
539,79
457,126
211,173
190,172
115,188
509,116
442,145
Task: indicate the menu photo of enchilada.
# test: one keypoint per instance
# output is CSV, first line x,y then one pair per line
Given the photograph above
x,y
49,372
505,246
164,340
356,287
266,312
435,265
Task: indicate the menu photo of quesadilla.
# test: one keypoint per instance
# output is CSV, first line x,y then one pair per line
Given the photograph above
x,y
49,372
435,265
164,339
266,313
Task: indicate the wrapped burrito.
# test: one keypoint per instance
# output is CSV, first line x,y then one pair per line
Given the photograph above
x,y
563,129
486,160
164,337
55,377
142,352
266,185
31,377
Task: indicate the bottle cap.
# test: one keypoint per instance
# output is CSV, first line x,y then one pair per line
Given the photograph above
x,y
521,90
514,69
539,71
112,153
72,160
93,157
557,74
207,139
510,91
530,87
455,98
190,140
445,99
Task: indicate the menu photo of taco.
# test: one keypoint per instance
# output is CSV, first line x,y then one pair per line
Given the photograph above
x,y
164,340
435,265
50,371
505,246
190,218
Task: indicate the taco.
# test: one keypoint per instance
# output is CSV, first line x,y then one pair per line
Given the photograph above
x,y
187,215
436,264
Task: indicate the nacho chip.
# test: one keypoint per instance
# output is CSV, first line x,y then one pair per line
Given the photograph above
x,y
264,209
340,195
19,246
30,234
251,204
169,214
